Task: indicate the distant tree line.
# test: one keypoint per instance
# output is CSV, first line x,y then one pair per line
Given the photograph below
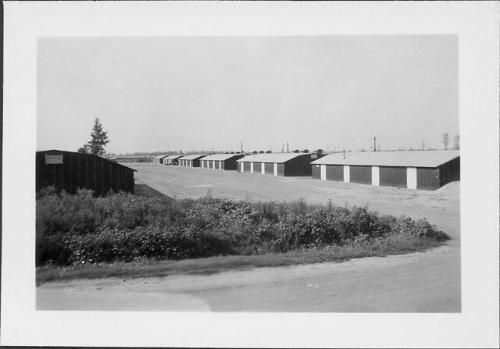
x,y
99,139
180,152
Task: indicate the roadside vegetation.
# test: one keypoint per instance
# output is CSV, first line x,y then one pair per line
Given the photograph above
x,y
126,235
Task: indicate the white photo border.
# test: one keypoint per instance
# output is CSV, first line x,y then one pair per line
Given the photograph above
x,y
476,25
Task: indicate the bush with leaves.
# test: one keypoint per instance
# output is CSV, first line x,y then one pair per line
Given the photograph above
x,y
122,227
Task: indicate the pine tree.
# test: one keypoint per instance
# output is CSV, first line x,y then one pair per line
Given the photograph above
x,y
99,138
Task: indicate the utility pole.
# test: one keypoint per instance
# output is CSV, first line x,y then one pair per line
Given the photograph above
x,y
241,146
445,141
287,148
374,143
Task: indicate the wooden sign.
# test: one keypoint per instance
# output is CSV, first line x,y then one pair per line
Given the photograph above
x,y
53,159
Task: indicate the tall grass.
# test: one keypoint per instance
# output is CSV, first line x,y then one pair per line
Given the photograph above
x,y
73,229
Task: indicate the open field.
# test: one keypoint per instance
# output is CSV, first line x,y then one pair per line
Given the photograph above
x,y
424,282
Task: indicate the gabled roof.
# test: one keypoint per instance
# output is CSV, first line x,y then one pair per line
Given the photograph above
x,y
192,156
272,157
56,151
160,156
132,156
220,157
173,157
430,158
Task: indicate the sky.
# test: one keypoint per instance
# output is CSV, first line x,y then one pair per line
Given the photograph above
x,y
189,93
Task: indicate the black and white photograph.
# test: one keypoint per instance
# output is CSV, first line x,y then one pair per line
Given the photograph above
x,y
249,174
244,173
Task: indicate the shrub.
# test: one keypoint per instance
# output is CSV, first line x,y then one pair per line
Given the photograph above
x,y
53,249
123,227
144,242
63,212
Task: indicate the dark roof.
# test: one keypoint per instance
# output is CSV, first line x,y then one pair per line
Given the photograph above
x,y
84,154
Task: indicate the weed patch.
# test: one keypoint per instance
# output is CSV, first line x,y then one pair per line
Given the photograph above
x,y
82,229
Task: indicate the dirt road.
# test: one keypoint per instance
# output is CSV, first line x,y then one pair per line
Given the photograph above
x,y
421,282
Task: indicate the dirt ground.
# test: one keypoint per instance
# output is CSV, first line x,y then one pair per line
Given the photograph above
x,y
420,282
180,182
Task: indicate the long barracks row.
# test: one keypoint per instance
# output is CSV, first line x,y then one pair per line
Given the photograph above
x,y
428,170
